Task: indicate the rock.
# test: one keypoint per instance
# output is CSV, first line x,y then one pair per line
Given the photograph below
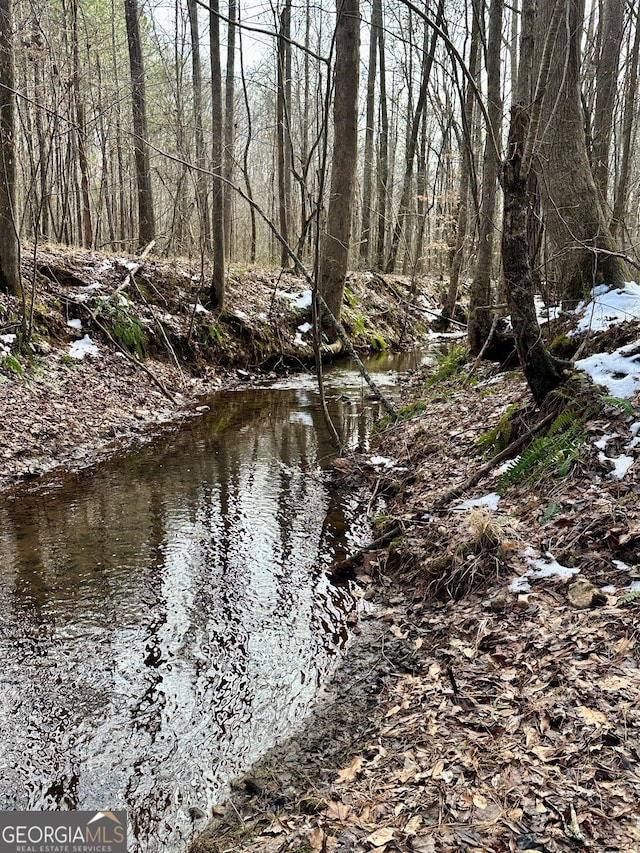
x,y
498,602
583,594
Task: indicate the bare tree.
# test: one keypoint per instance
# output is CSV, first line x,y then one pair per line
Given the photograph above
x,y
9,248
480,298
217,288
336,239
146,216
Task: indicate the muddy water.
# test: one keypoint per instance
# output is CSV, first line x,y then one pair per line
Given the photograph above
x,y
164,619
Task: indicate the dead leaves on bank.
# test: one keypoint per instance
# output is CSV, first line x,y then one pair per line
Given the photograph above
x,y
515,731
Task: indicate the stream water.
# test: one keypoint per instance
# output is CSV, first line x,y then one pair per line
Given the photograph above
x,y
166,617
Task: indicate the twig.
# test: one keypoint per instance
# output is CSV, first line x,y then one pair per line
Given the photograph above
x,y
485,347
142,258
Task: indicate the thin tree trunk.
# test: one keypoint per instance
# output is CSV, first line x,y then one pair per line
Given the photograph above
x,y
606,89
9,249
202,189
368,144
427,64
217,288
86,227
466,154
282,113
146,220
229,125
383,143
480,299
630,97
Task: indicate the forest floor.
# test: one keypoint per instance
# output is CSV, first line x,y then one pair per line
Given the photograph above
x,y
491,701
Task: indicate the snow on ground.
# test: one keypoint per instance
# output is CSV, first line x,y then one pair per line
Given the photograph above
x,y
490,501
609,307
85,346
618,371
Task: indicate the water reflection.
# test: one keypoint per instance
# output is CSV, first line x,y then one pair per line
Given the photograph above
x,y
165,618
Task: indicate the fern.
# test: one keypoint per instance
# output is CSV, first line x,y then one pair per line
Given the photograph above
x,y
499,436
556,452
620,403
628,597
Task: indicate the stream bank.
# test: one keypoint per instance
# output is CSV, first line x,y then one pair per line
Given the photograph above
x,y
114,355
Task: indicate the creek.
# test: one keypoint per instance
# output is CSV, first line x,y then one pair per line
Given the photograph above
x,y
166,616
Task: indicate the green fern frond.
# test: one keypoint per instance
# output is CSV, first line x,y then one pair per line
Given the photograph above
x,y
628,597
555,452
620,403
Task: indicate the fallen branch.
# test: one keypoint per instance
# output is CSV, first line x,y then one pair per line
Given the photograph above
x,y
135,269
480,472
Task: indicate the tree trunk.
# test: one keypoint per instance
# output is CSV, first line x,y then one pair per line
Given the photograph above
x,y
576,226
85,217
466,154
202,189
367,173
9,249
217,287
606,89
283,107
410,154
383,144
542,371
335,242
630,96
146,220
229,126
480,299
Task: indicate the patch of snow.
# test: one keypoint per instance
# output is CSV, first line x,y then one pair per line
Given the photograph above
x,y
618,371
241,314
621,465
200,309
368,275
489,501
549,567
75,324
601,443
304,328
386,461
85,346
508,465
298,341
608,307
130,265
545,567
8,339
106,264
520,584
544,312
635,586
608,590
303,300
262,316
620,565
124,300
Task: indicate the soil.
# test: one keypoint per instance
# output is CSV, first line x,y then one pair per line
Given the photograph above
x,y
491,700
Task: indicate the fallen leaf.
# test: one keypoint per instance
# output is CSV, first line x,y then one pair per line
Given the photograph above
x,y
423,844
337,811
592,717
349,773
397,632
317,840
412,825
480,801
381,836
